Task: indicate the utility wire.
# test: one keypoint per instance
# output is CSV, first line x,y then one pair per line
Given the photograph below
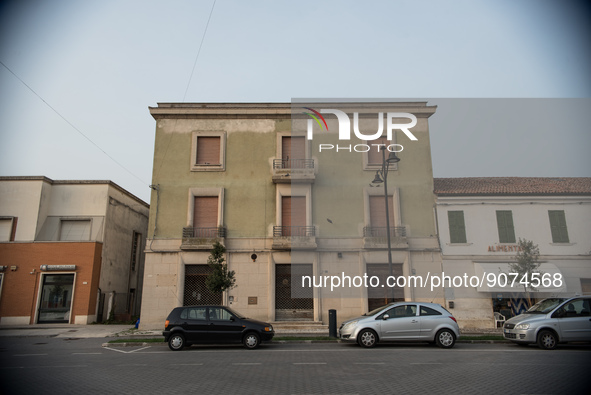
x,y
71,124
199,51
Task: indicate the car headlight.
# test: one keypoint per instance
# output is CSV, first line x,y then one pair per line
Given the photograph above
x,y
351,323
522,326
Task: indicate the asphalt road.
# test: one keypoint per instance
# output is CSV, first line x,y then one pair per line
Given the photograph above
x,y
42,365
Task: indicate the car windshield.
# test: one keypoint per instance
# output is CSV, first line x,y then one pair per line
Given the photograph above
x,y
235,314
545,306
376,311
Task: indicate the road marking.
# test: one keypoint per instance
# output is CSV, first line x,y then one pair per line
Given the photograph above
x,y
28,355
87,353
126,352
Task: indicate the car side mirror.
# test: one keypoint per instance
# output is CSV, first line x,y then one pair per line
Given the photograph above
x,y
232,319
385,317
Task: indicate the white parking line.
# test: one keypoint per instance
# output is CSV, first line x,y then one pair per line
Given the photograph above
x,y
126,352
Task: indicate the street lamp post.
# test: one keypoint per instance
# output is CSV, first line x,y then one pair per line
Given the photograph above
x,y
382,176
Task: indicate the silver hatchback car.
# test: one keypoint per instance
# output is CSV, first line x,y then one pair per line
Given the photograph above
x,y
552,321
403,321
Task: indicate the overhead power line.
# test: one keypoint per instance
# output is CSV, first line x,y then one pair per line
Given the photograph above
x,y
71,124
199,50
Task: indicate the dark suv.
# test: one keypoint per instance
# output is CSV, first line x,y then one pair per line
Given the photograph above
x,y
213,324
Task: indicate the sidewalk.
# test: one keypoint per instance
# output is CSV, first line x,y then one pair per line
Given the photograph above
x,y
74,331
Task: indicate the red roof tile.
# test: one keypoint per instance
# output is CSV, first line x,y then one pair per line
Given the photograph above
x,y
512,186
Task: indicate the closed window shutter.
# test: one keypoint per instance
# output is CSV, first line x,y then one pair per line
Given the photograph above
x,y
75,230
293,213
208,150
586,286
457,227
374,157
377,211
558,226
292,149
505,225
5,229
205,212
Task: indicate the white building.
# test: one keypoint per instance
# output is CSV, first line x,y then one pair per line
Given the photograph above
x,y
480,221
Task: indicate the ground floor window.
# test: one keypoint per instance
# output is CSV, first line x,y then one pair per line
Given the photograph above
x,y
380,296
196,292
56,298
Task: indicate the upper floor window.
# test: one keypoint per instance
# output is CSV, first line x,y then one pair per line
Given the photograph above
x,y
135,249
75,230
505,225
558,226
457,227
7,228
208,153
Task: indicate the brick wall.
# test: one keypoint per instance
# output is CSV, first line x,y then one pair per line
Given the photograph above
x,y
19,293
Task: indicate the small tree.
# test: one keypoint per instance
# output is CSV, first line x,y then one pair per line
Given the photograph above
x,y
525,265
220,279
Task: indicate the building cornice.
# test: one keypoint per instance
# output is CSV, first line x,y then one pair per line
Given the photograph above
x,y
280,110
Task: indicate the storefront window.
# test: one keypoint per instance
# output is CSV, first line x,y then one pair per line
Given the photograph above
x,y
56,298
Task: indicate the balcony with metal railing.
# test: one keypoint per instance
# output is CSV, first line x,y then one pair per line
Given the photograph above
x,y
196,238
377,237
294,237
293,170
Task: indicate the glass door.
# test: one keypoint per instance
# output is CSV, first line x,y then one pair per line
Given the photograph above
x,y
56,298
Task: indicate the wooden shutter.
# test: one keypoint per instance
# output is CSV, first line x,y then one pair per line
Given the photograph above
x,y
457,227
505,225
205,212
374,157
377,211
293,213
558,226
292,149
208,150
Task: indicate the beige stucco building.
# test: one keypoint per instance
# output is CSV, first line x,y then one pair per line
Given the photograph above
x,y
289,197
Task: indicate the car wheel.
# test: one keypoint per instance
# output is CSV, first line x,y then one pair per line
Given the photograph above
x,y
367,338
445,338
176,342
251,340
547,340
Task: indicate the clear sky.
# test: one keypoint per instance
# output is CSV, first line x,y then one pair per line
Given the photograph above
x,y
100,64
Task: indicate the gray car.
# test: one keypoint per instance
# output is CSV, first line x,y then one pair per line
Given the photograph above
x,y
403,321
552,321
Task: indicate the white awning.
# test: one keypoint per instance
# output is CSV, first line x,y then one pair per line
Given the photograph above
x,y
497,277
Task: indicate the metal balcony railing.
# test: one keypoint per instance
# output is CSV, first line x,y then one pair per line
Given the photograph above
x,y
294,231
381,231
210,233
293,163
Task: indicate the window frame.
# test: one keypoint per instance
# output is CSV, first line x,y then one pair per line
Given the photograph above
x,y
558,231
461,229
510,236
65,219
194,144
